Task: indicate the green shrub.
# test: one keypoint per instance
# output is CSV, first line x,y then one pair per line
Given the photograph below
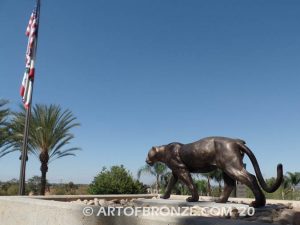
x,y
117,180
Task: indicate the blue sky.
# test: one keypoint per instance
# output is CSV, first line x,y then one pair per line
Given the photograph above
x,y
143,73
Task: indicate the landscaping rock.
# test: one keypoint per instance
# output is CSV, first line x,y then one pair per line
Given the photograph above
x,y
96,202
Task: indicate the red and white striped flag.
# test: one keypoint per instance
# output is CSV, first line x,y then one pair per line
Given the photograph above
x,y
27,82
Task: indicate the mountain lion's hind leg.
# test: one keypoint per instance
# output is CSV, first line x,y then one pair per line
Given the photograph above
x,y
250,180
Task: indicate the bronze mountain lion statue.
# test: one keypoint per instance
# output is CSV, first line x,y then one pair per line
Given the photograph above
x,y
207,155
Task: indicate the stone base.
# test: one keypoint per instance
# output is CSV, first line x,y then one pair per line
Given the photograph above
x,y
29,211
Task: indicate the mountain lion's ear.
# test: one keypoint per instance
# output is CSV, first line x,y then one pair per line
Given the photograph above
x,y
155,149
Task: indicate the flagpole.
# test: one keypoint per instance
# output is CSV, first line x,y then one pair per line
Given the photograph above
x,y
27,117
24,153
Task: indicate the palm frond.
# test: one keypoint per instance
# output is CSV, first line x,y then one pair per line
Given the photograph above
x,y
4,128
145,170
49,130
59,154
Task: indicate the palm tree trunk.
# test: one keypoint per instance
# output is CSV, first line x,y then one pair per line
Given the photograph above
x,y
44,158
220,188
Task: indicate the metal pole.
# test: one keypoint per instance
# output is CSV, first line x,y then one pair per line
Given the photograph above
x,y
24,153
27,119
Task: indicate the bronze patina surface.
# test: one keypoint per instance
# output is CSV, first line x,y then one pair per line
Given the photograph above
x,y
207,155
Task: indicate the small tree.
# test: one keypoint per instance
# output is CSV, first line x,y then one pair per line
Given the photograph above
x,y
34,185
71,188
117,180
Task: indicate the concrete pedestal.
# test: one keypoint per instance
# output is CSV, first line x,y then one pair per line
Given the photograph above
x,y
29,211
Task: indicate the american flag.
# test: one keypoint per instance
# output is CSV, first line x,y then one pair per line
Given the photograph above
x,y
27,82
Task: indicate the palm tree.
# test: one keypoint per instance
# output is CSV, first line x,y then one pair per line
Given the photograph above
x,y
4,113
158,170
49,133
294,180
286,187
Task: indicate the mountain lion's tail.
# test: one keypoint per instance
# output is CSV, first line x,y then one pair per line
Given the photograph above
x,y
259,176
